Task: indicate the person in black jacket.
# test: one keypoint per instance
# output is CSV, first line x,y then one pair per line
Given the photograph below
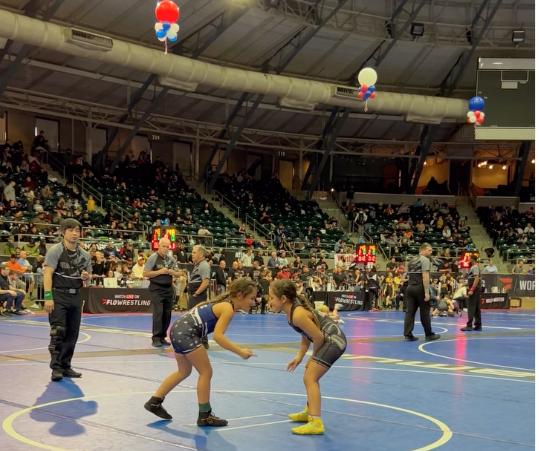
x,y
220,275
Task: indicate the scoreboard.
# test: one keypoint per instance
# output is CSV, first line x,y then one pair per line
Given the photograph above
x,y
163,232
366,253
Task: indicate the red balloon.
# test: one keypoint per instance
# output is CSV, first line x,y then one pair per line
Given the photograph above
x,y
373,95
167,11
364,88
477,114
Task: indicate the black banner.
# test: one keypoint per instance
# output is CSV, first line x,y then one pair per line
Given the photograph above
x,y
494,301
517,285
116,300
349,300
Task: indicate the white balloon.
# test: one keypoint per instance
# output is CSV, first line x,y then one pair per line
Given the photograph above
x,y
471,117
367,76
158,26
175,27
163,39
482,116
171,34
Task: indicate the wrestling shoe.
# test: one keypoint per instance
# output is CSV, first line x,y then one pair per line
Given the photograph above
x,y
299,417
315,426
209,419
156,407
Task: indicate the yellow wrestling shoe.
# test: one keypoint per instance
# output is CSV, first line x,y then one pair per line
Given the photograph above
x,y
300,417
315,426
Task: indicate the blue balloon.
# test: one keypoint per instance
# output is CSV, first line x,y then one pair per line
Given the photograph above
x,y
166,26
372,88
160,34
366,95
174,38
476,103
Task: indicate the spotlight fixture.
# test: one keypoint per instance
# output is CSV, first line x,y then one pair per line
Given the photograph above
x,y
417,29
504,167
519,36
533,161
491,166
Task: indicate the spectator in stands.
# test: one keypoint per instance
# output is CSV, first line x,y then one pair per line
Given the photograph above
x,y
273,261
490,267
9,192
529,229
13,264
40,142
10,298
137,272
519,267
246,257
221,276
90,204
258,258
284,273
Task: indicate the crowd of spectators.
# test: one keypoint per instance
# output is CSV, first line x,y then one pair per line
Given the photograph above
x,y
511,231
400,229
294,224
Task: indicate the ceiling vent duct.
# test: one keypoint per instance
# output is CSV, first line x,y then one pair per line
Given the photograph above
x,y
88,40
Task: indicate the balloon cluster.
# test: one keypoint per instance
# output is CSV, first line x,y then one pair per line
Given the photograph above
x,y
367,79
476,115
167,14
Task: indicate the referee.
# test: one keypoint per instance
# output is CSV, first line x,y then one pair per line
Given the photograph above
x,y
161,268
199,280
474,295
65,268
417,294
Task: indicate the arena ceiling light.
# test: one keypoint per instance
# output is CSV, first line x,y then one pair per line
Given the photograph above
x,y
417,29
519,36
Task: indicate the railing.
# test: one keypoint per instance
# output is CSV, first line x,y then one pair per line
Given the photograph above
x,y
228,203
85,187
55,163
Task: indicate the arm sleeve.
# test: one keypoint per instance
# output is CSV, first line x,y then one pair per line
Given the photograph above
x,y
204,271
425,264
53,256
150,263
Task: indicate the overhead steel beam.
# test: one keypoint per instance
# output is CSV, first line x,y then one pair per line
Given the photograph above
x,y
329,147
477,31
422,150
218,25
523,154
275,63
384,47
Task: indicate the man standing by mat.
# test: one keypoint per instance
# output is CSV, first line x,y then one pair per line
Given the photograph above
x,y
160,268
199,280
474,295
417,294
65,268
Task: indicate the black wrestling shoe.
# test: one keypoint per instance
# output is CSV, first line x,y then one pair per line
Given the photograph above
x,y
156,343
466,329
157,409
478,328
410,338
57,375
165,342
70,372
209,419
432,337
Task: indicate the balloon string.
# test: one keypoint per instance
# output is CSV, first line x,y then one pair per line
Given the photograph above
x,y
166,47
366,107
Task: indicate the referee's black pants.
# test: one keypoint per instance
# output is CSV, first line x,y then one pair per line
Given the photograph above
x,y
474,310
65,325
163,299
415,298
